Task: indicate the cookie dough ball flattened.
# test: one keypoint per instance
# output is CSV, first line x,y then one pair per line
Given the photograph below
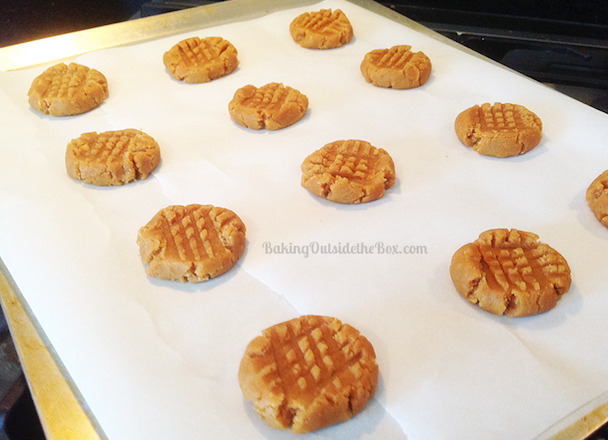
x,y
510,272
113,157
308,373
499,130
351,171
191,243
196,60
597,197
323,29
397,67
65,90
273,106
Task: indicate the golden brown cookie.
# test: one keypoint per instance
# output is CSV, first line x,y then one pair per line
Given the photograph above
x,y
323,29
191,243
113,157
64,90
351,171
397,67
273,106
499,130
308,373
510,272
597,197
196,60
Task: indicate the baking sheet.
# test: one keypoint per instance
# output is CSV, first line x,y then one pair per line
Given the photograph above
x,y
156,359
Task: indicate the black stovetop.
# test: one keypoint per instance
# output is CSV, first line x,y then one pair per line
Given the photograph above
x,y
561,41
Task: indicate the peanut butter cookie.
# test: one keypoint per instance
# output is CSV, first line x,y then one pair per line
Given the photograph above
x,y
351,171
397,67
510,272
196,60
322,29
273,106
191,243
308,373
499,130
113,157
597,197
65,90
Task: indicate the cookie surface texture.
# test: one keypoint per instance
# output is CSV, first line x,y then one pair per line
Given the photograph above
x,y
499,130
510,272
324,29
196,60
597,197
112,157
397,67
308,373
273,106
191,243
66,90
348,171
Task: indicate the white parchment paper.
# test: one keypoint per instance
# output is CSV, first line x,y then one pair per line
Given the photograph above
x,y
156,359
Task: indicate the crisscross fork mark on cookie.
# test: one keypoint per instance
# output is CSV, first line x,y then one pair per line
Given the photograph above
x,y
198,233
521,269
324,21
396,57
500,117
318,371
270,98
113,157
196,51
193,234
511,272
351,171
353,163
192,243
309,356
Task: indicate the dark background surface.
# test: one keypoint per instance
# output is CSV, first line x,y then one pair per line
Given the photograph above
x,y
24,20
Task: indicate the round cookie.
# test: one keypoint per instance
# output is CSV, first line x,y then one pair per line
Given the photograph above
x,y
499,130
273,106
510,272
351,171
113,157
65,90
196,60
322,29
191,243
397,67
597,197
308,373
